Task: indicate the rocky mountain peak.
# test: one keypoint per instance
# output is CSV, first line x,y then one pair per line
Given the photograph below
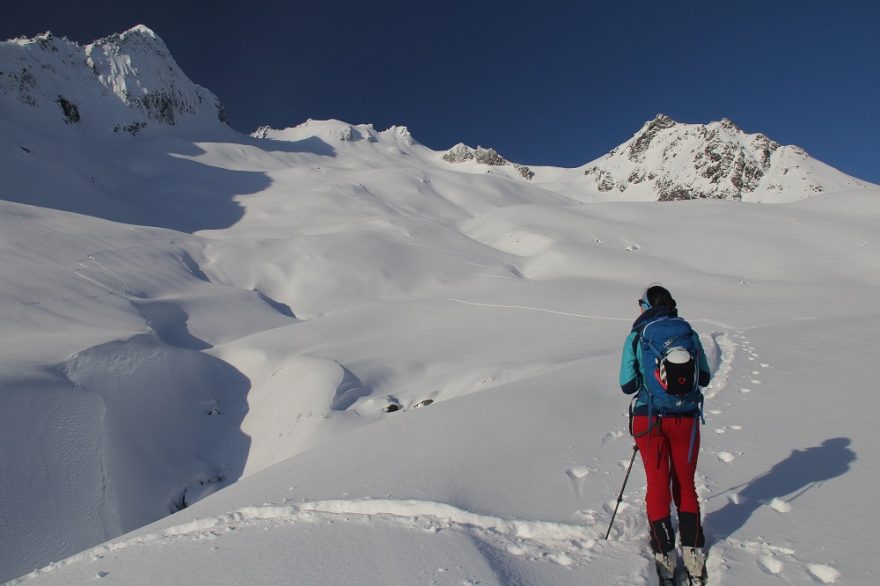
x,y
728,124
667,160
642,141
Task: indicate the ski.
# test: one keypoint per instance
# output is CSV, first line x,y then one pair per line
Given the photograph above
x,y
664,581
702,580
663,576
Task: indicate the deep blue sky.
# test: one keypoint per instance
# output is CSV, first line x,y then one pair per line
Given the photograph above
x,y
543,82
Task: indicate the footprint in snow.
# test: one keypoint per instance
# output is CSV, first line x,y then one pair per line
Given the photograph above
x,y
777,504
588,516
770,564
823,573
611,436
726,457
578,477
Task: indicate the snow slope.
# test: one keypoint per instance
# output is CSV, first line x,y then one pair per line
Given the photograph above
x,y
403,370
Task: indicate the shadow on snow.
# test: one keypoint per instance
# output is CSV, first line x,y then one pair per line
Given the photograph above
x,y
151,182
799,472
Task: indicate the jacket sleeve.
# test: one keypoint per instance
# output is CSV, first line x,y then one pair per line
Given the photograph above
x,y
629,367
705,374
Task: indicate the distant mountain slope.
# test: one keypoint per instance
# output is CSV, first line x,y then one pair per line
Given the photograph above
x,y
129,83
667,160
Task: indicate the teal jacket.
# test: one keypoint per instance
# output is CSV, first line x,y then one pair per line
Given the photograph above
x,y
631,371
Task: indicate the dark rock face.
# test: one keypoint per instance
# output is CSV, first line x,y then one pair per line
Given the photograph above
x,y
525,171
70,110
604,179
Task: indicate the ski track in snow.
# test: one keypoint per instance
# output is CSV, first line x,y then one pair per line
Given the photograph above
x,y
542,310
90,268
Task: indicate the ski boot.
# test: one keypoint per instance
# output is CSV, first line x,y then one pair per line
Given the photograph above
x,y
666,563
695,563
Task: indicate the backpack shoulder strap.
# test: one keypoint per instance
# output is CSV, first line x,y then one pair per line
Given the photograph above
x,y
647,342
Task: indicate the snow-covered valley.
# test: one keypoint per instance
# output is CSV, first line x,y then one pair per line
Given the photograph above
x,y
400,369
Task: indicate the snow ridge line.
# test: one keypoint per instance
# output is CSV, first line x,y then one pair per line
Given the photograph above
x,y
565,313
539,539
452,516
405,512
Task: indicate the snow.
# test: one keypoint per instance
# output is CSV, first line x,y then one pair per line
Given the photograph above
x,y
214,325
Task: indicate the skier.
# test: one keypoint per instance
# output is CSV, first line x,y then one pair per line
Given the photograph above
x,y
667,438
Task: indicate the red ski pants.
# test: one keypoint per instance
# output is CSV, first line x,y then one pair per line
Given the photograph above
x,y
664,452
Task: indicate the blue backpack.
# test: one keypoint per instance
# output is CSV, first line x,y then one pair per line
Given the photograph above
x,y
668,352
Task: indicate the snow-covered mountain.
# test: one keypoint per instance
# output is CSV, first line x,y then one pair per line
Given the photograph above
x,y
483,156
667,160
397,362
127,82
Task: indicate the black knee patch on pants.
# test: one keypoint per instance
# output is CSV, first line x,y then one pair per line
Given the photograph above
x,y
691,530
662,536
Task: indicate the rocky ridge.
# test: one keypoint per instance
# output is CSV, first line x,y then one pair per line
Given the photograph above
x,y
483,156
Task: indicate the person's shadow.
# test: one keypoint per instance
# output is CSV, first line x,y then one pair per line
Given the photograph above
x,y
795,475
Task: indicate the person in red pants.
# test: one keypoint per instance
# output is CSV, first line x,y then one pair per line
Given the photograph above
x,y
668,444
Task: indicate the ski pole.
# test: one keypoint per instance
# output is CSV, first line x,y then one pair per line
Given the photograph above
x,y
622,488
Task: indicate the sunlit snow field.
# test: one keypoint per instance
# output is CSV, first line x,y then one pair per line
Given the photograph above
x,y
284,335
330,356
